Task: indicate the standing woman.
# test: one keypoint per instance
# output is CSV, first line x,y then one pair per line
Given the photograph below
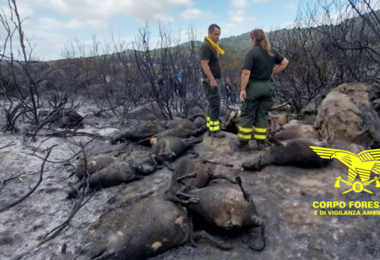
x,y
257,91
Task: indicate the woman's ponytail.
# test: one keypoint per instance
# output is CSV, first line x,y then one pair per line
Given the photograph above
x,y
262,39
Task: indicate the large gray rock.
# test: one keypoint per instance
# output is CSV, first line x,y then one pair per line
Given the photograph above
x,y
346,114
376,106
310,111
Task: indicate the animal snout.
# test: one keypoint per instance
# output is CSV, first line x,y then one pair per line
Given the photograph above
x,y
228,225
137,168
236,226
145,168
172,155
231,225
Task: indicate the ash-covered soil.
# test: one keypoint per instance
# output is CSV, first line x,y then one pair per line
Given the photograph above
x,y
283,196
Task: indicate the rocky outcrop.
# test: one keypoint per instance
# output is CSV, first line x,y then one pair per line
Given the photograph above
x,y
346,114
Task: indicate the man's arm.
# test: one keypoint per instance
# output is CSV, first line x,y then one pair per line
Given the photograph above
x,y
207,71
280,67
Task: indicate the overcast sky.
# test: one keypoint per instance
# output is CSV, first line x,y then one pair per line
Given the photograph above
x,y
52,23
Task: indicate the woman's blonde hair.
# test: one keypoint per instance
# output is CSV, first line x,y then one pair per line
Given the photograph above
x,y
262,39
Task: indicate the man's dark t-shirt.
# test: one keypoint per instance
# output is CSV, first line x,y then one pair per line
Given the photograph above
x,y
260,63
209,53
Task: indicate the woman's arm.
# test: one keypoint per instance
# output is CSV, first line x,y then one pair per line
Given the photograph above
x,y
243,84
280,67
244,79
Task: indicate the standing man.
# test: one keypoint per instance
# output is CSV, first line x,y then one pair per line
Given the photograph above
x,y
211,75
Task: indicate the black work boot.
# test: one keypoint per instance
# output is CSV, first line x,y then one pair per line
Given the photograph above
x,y
218,134
240,146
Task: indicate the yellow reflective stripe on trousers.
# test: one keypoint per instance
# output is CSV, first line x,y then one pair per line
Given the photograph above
x,y
260,137
214,126
208,121
245,130
244,136
260,133
260,130
245,133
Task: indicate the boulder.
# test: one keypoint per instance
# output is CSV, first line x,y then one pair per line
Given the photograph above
x,y
310,111
346,114
376,106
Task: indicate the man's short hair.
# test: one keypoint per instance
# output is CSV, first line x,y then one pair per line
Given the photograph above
x,y
212,27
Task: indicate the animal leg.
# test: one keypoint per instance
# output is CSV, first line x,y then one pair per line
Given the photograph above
x,y
272,134
276,142
191,231
187,176
144,141
216,163
193,140
200,131
245,194
92,252
195,155
222,176
104,256
191,199
184,195
216,242
254,237
167,164
74,190
153,158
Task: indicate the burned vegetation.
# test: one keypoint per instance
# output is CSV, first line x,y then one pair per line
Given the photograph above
x,y
106,156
